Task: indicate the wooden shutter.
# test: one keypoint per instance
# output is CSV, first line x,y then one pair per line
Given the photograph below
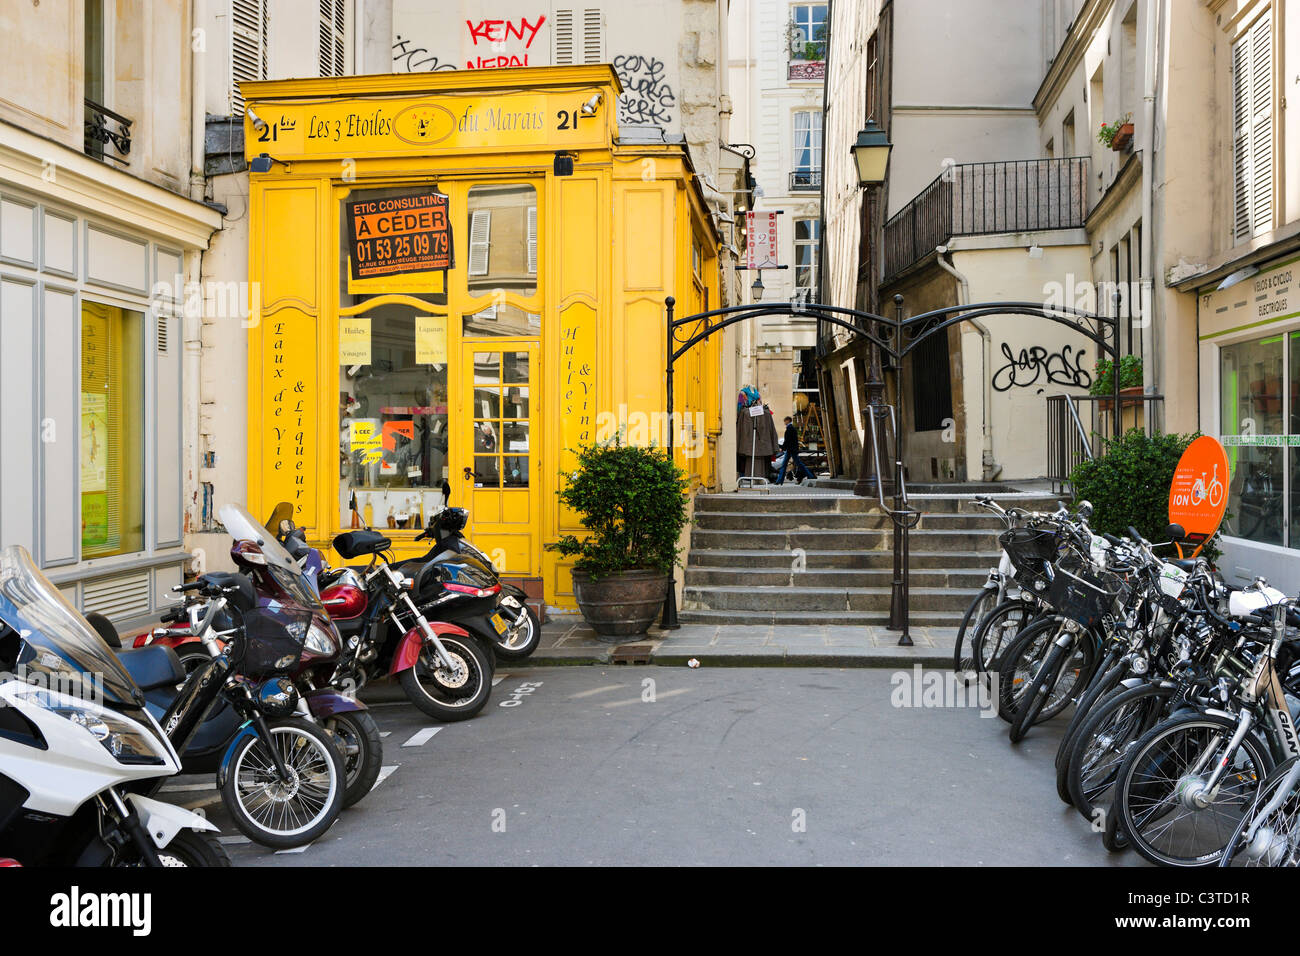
x,y
563,38
333,37
248,24
1252,132
532,240
480,227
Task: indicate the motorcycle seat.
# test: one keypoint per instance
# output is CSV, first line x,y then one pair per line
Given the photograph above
x,y
152,667
353,544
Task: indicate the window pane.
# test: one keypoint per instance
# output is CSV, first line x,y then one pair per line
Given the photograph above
x,y
112,431
503,244
515,368
502,320
487,471
515,404
1251,417
516,437
393,426
485,436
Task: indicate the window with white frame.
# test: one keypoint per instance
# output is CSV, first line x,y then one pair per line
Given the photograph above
x,y
1252,131
808,31
807,159
807,239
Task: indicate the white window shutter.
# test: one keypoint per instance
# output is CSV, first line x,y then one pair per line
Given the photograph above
x,y
563,39
1252,132
480,227
532,240
333,38
593,37
248,47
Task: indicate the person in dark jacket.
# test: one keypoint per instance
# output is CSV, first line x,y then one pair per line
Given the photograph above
x,y
790,445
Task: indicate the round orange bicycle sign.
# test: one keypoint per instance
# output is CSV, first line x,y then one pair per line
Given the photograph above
x,y
1198,495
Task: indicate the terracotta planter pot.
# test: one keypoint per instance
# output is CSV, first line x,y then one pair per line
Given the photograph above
x,y
620,605
1130,390
1122,138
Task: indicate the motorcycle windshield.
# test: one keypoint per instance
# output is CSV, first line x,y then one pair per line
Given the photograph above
x,y
242,526
58,649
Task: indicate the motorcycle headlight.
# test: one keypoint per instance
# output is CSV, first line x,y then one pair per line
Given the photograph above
x,y
321,641
128,741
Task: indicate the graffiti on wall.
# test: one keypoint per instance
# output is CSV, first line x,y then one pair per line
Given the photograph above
x,y
647,97
496,35
1037,366
408,58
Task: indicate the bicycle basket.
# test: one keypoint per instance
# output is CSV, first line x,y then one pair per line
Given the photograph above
x,y
273,640
1029,549
1080,593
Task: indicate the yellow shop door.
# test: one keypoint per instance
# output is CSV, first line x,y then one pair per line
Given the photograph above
x,y
496,465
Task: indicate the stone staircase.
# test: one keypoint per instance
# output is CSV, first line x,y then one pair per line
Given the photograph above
x,y
743,565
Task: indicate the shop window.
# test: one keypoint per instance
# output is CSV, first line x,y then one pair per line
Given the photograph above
x,y
500,410
393,416
502,259
1251,420
112,431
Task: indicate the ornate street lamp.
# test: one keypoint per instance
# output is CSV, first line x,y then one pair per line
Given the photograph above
x,y
871,154
757,288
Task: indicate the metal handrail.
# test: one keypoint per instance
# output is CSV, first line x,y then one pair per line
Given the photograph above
x,y
1083,435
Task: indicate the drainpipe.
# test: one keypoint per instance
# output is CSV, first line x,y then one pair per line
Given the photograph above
x,y
1147,292
198,107
990,468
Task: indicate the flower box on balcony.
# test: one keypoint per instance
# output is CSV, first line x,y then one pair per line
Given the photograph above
x,y
1122,138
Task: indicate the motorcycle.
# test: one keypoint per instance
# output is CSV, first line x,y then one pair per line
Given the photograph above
x,y
442,666
281,775
522,630
78,747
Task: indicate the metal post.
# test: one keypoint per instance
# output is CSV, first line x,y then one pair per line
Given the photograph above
x,y
1118,427
669,619
899,596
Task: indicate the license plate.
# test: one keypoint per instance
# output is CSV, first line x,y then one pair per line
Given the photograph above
x,y
498,623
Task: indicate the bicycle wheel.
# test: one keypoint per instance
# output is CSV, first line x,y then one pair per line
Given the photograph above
x,y
1042,684
1104,680
1275,839
996,632
1104,739
1162,776
963,653
1021,661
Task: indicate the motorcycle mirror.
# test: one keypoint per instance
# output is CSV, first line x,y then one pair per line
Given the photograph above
x,y
282,512
1084,508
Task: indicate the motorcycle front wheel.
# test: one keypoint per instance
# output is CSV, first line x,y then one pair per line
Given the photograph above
x,y
284,814
522,639
455,693
358,737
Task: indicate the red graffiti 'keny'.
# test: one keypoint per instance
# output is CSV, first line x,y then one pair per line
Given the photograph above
x,y
499,31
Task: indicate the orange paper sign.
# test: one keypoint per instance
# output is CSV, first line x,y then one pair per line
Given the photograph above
x,y
1198,495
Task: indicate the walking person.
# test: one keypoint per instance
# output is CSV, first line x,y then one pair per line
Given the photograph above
x,y
790,445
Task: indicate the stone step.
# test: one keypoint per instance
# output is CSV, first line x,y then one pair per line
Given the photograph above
x,y
820,598
815,618
839,560
969,579
880,539
828,520
777,503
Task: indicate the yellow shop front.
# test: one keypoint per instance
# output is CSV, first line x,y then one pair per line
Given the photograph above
x,y
459,278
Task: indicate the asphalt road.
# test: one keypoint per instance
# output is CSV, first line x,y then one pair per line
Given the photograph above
x,y
742,766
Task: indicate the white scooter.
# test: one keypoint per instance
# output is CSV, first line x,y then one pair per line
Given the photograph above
x,y
78,749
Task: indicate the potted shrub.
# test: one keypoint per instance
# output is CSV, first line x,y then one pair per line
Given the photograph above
x,y
1130,379
1117,135
633,502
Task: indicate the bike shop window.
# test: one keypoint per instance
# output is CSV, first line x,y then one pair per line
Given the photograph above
x,y
501,263
807,236
393,416
112,430
1253,402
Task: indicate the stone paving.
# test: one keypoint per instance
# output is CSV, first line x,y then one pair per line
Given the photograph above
x,y
567,639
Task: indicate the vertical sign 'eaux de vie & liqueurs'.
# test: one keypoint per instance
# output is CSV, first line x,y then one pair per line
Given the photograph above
x,y
399,234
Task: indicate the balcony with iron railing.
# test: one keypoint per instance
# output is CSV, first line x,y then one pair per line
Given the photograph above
x,y
104,128
971,199
805,181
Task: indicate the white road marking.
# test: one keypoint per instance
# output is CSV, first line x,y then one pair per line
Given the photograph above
x,y
497,680
232,840
385,733
596,690
421,737
202,801
188,787
296,849
384,774
658,697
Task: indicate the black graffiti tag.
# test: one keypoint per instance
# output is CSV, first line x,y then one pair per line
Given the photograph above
x,y
412,60
1054,368
647,97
